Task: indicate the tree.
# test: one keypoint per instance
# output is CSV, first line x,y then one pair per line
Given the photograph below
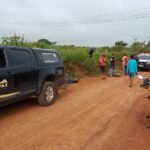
x,y
45,41
121,43
138,46
147,46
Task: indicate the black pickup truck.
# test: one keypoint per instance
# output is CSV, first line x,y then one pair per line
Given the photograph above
x,y
28,72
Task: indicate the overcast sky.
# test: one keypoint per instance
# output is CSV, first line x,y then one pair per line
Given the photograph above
x,y
78,22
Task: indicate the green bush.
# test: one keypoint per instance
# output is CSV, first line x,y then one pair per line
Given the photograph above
x,y
78,56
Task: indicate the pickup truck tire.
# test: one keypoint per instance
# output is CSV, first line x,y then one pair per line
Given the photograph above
x,y
48,94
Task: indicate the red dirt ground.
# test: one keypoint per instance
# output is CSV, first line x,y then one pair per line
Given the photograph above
x,y
94,114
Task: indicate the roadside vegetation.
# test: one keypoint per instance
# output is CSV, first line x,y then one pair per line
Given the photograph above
x,y
76,59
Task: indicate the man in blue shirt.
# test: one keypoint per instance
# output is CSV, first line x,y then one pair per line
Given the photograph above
x,y
131,69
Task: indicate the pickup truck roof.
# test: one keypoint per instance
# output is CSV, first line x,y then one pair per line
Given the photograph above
x,y
45,50
35,49
10,47
144,56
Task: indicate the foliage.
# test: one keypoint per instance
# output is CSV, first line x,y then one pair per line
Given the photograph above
x,y
119,46
45,41
76,59
138,45
121,43
13,40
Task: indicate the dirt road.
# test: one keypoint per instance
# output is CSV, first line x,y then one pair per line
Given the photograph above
x,y
94,114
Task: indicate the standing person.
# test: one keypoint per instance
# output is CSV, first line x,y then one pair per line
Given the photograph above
x,y
135,57
112,62
123,63
131,69
125,60
91,52
102,63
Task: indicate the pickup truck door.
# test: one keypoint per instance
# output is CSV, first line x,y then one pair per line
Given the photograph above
x,y
25,73
7,88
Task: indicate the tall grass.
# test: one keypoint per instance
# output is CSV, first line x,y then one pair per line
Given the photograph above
x,y
73,56
78,56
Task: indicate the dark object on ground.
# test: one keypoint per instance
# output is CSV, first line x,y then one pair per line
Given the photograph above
x,y
148,117
72,81
103,78
146,82
114,73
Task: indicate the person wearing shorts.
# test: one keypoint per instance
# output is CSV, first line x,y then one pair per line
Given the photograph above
x,y
131,69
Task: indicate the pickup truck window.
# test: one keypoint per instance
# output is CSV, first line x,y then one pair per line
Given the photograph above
x,y
2,59
49,57
21,57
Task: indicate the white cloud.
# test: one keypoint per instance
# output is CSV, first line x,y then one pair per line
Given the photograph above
x,y
34,19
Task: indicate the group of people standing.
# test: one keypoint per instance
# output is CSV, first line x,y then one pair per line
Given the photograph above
x,y
102,62
129,65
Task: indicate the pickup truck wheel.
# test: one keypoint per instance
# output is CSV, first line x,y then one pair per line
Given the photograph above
x,y
48,94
